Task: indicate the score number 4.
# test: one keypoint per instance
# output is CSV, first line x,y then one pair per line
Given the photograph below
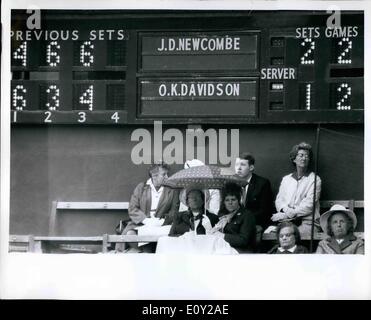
x,y
53,57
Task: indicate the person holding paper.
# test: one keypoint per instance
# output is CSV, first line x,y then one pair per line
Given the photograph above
x,y
151,204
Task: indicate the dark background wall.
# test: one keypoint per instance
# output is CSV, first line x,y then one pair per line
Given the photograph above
x,y
93,163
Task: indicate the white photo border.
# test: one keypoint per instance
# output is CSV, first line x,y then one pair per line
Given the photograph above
x,y
38,276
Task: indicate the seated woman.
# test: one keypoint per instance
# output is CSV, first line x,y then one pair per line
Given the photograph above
x,y
294,200
196,218
236,224
339,224
288,238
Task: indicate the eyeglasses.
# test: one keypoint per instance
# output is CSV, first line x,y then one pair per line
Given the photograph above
x,y
282,235
303,155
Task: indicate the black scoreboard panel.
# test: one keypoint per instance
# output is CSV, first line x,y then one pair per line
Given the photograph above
x,y
133,67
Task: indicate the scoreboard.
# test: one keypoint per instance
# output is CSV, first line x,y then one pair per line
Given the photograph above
x,y
133,67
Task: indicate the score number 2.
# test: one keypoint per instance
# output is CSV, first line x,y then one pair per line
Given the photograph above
x,y
344,51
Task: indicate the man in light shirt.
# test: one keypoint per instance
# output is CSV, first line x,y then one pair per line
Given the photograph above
x,y
151,204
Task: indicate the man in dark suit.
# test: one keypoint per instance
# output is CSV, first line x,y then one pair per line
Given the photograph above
x,y
257,196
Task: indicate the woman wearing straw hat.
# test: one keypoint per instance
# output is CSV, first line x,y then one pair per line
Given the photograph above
x,y
294,201
339,224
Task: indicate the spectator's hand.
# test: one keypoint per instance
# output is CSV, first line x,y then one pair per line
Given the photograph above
x,y
278,216
206,223
153,222
218,234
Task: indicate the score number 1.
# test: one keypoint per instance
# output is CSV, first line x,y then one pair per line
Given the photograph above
x,y
343,90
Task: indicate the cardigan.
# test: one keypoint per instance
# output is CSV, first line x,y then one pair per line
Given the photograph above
x,y
295,197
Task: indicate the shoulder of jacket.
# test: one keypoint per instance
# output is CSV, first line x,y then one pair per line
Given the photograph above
x,y
359,240
260,178
143,185
311,175
287,176
274,249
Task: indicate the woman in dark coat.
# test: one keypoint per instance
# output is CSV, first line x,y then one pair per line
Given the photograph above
x,y
236,224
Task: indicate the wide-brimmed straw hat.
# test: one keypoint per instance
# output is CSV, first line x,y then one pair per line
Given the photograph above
x,y
336,208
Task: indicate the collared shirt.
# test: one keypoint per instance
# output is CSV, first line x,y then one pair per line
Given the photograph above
x,y
339,240
205,222
291,249
155,197
244,195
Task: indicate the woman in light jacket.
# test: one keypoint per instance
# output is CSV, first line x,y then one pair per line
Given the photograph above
x,y
294,201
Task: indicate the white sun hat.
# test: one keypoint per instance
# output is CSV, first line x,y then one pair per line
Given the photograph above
x,y
336,208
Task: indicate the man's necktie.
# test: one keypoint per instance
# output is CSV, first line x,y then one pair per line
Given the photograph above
x,y
200,228
244,195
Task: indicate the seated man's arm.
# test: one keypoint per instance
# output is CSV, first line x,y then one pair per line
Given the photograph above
x,y
135,212
262,216
174,209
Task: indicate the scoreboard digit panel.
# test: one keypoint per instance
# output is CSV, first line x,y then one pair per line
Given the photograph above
x,y
123,67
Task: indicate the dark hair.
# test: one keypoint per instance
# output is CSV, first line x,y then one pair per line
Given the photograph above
x,y
349,223
200,191
247,156
156,166
230,189
301,146
287,224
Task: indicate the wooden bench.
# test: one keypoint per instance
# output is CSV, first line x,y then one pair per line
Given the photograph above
x,y
29,243
324,205
108,240
63,205
39,244
21,243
